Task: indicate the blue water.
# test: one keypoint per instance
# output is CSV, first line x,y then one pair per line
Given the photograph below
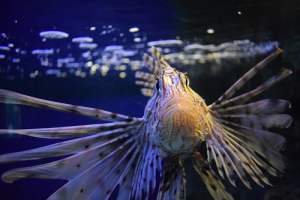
x,y
263,24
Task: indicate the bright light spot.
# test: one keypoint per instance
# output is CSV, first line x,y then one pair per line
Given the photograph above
x,y
121,34
103,32
239,12
181,57
90,63
167,50
122,67
167,57
92,72
210,31
104,68
64,74
110,26
202,60
134,29
135,67
53,34
94,67
93,28
122,75
186,62
78,73
36,72
137,39
10,45
103,73
216,55
126,60
16,21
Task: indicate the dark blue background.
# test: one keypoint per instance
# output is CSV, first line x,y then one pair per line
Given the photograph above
x,y
260,21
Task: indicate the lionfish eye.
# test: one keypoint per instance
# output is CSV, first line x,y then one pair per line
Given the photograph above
x,y
157,85
186,79
187,82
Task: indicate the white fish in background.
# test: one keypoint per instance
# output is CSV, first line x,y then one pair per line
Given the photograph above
x,y
176,120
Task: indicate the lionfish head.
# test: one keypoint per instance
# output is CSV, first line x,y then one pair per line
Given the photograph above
x,y
179,113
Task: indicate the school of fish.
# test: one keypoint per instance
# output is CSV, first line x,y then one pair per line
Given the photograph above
x,y
128,151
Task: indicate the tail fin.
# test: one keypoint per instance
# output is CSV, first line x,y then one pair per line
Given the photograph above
x,y
211,180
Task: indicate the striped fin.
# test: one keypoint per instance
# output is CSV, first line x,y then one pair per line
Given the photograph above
x,y
68,147
99,163
223,143
172,184
145,76
161,61
151,64
236,163
99,181
259,122
125,184
155,66
227,165
247,162
263,107
211,180
218,160
144,179
9,97
145,84
240,131
245,97
70,167
241,161
149,83
247,77
247,151
265,143
147,92
69,131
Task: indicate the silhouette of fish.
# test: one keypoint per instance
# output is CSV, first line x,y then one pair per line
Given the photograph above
x,y
128,151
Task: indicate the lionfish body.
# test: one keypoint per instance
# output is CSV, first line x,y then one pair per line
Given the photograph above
x,y
128,151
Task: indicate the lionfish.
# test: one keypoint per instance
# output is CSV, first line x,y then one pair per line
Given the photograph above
x,y
129,151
